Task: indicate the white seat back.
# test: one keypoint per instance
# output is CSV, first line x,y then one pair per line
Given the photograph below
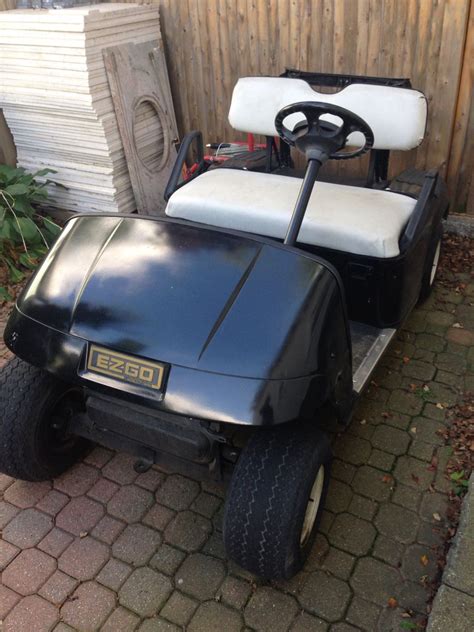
x,y
397,116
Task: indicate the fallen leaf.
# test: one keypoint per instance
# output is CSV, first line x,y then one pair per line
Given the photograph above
x,y
424,560
83,534
415,478
386,478
413,429
406,359
426,388
392,602
363,422
440,406
436,516
457,326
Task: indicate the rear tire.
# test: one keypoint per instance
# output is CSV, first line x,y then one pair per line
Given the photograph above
x,y
35,409
270,519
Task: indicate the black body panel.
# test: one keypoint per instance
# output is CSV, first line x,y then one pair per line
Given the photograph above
x,y
250,332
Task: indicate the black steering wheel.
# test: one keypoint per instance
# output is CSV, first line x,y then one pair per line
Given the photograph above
x,y
320,139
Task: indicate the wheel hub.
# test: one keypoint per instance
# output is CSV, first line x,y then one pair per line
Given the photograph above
x,y
312,506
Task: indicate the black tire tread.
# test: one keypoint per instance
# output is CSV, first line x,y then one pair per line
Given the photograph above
x,y
23,388
266,491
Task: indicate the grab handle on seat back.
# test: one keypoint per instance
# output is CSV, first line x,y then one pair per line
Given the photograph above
x,y
174,180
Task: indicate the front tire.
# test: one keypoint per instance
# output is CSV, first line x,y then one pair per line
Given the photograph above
x,y
275,499
35,409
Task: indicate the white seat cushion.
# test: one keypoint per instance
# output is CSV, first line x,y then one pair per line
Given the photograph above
x,y
351,219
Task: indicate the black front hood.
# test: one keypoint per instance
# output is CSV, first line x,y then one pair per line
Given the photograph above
x,y
185,295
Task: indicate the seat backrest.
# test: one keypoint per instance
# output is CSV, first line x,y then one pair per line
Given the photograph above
x,y
397,116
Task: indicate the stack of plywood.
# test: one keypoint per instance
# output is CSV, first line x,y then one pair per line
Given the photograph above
x,y
56,98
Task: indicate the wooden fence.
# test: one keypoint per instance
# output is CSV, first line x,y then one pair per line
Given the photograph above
x,y
210,43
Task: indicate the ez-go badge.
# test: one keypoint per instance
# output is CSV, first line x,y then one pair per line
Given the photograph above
x,y
124,367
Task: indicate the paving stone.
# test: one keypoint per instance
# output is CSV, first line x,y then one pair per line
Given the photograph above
x,y
7,512
157,624
31,613
177,492
352,449
397,523
327,518
421,450
442,482
55,542
363,614
338,563
235,592
406,497
200,576
450,379
8,599
343,627
413,473
215,546
28,571
150,480
58,587
5,482
53,502
218,519
419,370
89,606
188,531
113,574
121,620
318,552
307,623
98,457
431,535
206,504
103,490
413,567
80,515
388,550
215,617
352,534
130,503
381,460
390,440
179,608
145,592
362,507
270,611
27,528
375,581
339,496
452,610
433,412
136,544
108,529
7,553
78,480
414,597
325,596
405,402
159,517
167,559
428,430
343,471
441,393
83,558
431,504
463,337
451,362
370,482
24,494
430,342
120,469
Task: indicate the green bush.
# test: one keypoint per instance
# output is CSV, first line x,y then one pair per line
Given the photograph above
x,y
25,235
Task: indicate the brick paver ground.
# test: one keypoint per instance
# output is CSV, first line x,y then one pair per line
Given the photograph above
x,y
103,548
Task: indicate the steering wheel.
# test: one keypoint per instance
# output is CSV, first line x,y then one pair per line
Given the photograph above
x,y
322,139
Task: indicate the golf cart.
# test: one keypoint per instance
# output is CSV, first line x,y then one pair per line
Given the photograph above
x,y
258,300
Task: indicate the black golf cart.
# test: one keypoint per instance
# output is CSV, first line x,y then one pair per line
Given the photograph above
x,y
257,301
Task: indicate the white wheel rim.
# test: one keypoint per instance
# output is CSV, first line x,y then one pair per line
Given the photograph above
x,y
312,506
435,263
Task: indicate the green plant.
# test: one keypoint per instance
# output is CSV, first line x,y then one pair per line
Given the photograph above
x,y
25,235
460,482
